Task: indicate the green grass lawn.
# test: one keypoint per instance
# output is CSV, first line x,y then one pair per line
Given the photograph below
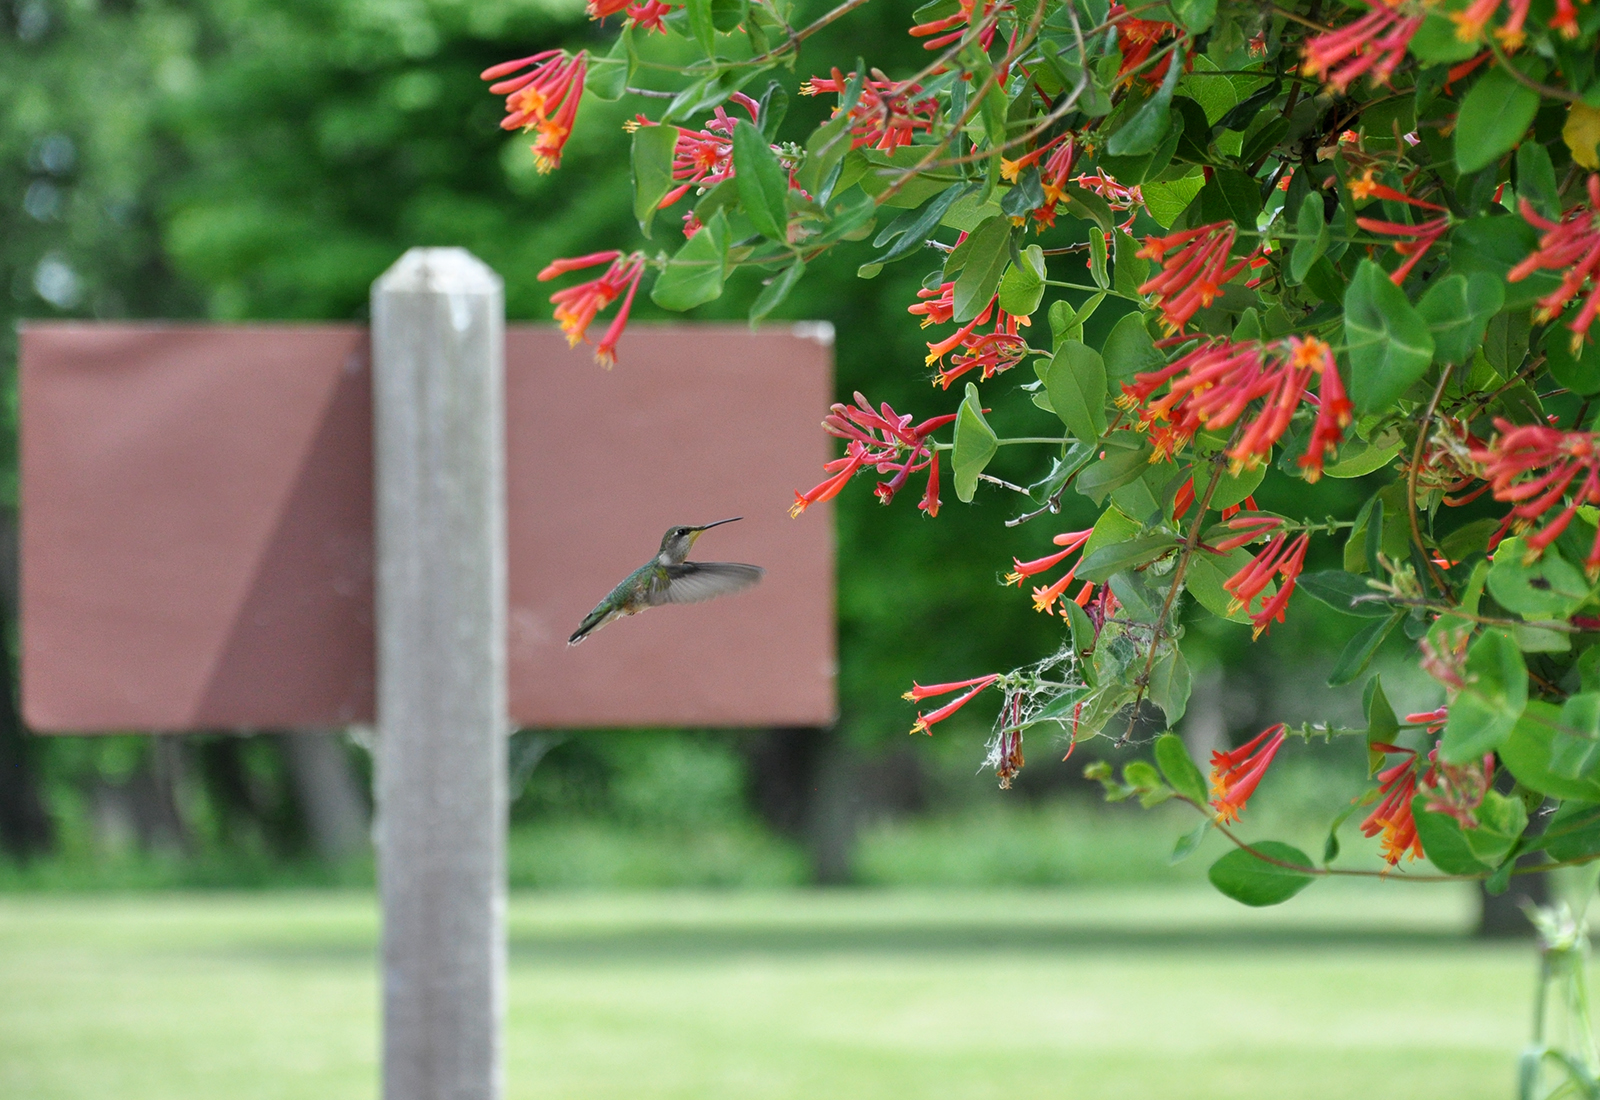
x,y
1152,993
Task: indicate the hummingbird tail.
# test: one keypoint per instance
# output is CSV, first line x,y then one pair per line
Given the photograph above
x,y
594,621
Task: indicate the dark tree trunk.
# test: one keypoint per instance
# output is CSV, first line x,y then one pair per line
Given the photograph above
x,y
1503,916
25,826
331,801
804,783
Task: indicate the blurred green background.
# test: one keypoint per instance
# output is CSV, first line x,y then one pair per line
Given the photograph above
x,y
236,160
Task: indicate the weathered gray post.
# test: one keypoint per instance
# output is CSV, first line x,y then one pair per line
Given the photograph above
x,y
438,320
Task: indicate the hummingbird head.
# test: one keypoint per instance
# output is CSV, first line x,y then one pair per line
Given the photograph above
x,y
676,542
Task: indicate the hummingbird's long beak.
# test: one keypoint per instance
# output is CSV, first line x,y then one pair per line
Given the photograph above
x,y
698,531
719,523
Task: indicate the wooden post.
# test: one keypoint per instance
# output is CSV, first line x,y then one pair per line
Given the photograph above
x,y
438,350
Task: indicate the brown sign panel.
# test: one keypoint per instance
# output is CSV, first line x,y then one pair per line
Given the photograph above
x,y
197,547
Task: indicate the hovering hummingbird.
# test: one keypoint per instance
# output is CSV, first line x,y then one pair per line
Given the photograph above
x,y
669,578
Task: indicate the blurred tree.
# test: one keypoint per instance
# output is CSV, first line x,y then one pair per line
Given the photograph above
x,y
267,159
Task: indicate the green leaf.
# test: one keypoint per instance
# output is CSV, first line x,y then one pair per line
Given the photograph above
x,y
1495,114
1358,653
1346,592
1196,15
1579,373
776,290
1124,461
1245,878
986,261
1179,769
652,170
829,142
1358,458
1231,488
910,230
694,276
1169,685
1575,748
1130,269
1097,261
1487,708
1437,43
1076,383
763,184
1143,131
1527,753
1536,179
1312,230
1501,822
701,25
1128,350
1389,344
1573,831
1382,725
1457,312
1494,245
1444,841
1022,286
1102,563
1166,199
1205,578
975,445
1188,842
1549,588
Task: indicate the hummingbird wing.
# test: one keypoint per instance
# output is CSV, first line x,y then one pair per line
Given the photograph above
x,y
694,581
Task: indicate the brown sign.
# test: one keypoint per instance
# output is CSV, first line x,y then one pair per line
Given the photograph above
x,y
197,547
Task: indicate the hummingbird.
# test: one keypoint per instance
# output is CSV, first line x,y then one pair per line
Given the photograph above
x,y
670,578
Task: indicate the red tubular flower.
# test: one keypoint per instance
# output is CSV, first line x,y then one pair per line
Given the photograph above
x,y
1572,243
545,99
1129,200
885,441
1213,386
1137,39
992,352
950,29
1072,540
1534,467
1250,528
918,693
1457,789
1281,560
1376,42
1368,188
886,114
1418,239
1193,277
1235,774
1392,816
1334,409
703,158
1432,720
1565,19
576,306
649,15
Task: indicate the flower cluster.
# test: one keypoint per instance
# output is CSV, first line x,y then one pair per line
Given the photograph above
x,y
545,98
884,441
1535,467
1392,816
1414,240
918,693
948,30
641,13
1137,40
886,114
1192,277
1236,774
1053,175
1045,596
1213,386
1280,561
998,349
576,306
1128,200
1572,243
1375,43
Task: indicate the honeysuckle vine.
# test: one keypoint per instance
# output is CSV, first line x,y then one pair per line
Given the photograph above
x,y
1190,254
